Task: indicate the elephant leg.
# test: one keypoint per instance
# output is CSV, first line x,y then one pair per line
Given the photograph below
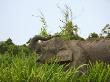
x,y
79,61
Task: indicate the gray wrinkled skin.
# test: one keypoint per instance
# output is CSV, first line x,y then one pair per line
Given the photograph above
x,y
74,52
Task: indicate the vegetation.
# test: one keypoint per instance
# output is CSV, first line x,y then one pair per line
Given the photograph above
x,y
69,31
23,68
93,36
43,32
9,47
105,33
18,63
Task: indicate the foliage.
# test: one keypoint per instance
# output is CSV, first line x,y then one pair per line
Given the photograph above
x,y
43,32
106,31
3,48
5,45
108,35
93,36
9,47
23,68
98,72
9,42
69,31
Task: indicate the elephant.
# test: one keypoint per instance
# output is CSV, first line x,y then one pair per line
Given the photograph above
x,y
73,52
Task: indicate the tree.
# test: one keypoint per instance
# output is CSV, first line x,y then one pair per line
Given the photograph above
x,y
6,45
106,31
3,47
9,42
93,36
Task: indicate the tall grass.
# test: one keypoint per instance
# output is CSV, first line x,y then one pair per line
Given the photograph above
x,y
23,68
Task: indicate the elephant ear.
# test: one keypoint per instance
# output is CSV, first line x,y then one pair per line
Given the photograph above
x,y
64,55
